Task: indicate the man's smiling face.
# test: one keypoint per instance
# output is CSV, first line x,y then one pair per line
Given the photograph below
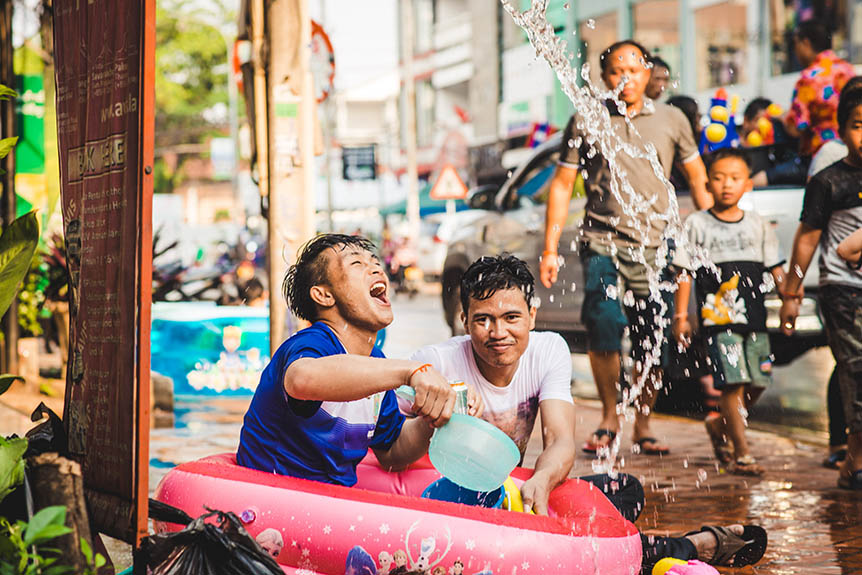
x,y
360,287
499,326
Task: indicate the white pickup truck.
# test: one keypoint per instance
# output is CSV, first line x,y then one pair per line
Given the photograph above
x,y
514,222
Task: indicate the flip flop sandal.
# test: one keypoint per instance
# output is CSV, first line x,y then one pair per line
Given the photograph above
x,y
835,458
591,446
736,550
747,466
853,483
651,450
720,446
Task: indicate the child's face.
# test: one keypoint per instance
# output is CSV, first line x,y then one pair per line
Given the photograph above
x,y
728,180
852,135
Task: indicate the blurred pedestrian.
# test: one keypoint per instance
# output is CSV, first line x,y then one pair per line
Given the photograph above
x,y
619,245
832,211
732,311
812,115
829,153
659,78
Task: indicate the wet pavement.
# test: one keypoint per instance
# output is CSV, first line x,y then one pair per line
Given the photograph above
x,y
814,527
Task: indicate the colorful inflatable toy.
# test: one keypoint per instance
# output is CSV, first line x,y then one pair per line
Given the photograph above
x,y
671,566
764,134
721,130
382,523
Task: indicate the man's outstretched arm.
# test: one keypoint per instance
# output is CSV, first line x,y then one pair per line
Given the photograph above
x,y
559,197
349,377
558,455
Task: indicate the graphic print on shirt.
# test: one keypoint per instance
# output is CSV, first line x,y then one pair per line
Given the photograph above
x,y
517,422
725,306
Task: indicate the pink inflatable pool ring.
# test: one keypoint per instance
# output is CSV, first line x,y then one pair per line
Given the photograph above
x,y
382,523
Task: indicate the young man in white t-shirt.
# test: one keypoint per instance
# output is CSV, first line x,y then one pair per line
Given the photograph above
x,y
519,373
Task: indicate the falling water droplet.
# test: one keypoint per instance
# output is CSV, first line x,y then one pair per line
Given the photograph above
x,y
591,24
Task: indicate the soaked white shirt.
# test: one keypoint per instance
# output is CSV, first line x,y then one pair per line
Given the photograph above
x,y
544,372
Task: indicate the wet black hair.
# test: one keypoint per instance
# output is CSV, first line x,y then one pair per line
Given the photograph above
x,y
723,153
603,58
850,98
490,274
658,62
310,270
816,33
853,83
688,106
755,107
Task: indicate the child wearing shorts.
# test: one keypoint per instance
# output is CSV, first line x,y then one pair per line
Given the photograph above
x,y
732,254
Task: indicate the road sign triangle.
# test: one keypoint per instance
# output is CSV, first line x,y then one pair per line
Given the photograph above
x,y
449,185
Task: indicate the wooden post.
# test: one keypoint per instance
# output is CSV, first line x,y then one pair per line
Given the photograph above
x,y
8,203
55,480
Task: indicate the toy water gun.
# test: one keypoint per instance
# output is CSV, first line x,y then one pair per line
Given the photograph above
x,y
721,130
764,134
671,566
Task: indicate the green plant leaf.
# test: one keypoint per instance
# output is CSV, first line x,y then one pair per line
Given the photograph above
x,y
6,93
6,381
47,533
50,516
87,551
11,464
6,145
100,560
17,245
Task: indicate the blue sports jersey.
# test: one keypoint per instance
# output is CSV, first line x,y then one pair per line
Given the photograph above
x,y
323,441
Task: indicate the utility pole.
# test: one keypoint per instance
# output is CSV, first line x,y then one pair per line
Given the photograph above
x,y
8,204
290,110
410,121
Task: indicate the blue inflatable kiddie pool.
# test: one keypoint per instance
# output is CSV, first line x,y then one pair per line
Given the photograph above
x,y
208,349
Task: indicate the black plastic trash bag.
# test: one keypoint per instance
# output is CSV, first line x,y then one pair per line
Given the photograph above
x,y
205,548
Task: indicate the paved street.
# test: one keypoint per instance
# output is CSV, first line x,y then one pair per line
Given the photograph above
x,y
814,527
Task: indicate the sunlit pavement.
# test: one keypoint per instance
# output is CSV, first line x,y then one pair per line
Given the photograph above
x,y
813,526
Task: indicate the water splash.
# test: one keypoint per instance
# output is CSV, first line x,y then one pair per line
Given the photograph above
x,y
593,121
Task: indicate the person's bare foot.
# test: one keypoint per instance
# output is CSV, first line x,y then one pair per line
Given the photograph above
x,y
706,543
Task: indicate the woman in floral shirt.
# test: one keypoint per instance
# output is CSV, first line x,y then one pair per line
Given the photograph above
x,y
812,114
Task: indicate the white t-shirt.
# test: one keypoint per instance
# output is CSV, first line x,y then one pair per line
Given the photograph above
x,y
544,372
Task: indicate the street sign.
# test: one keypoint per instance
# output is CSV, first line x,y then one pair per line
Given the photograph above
x,y
449,185
359,163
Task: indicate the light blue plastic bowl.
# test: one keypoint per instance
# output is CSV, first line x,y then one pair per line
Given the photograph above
x,y
473,453
470,451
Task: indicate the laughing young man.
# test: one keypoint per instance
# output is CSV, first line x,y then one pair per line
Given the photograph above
x,y
519,373
326,396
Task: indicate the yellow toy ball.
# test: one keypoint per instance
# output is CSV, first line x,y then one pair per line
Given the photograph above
x,y
715,133
666,564
764,125
774,110
754,139
719,114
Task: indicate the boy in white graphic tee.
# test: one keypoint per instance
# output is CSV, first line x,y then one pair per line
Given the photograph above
x,y
741,252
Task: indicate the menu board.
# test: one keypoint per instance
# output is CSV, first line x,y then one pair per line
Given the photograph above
x,y
105,142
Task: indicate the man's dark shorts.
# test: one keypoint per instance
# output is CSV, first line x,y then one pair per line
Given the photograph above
x,y
608,309
842,310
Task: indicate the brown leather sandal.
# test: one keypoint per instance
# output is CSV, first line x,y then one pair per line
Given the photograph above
x,y
736,550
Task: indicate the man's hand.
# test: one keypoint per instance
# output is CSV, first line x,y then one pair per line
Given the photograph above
x,y
548,269
788,314
682,330
435,398
475,404
535,492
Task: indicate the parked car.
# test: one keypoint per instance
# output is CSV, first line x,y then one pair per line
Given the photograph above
x,y
436,232
514,222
